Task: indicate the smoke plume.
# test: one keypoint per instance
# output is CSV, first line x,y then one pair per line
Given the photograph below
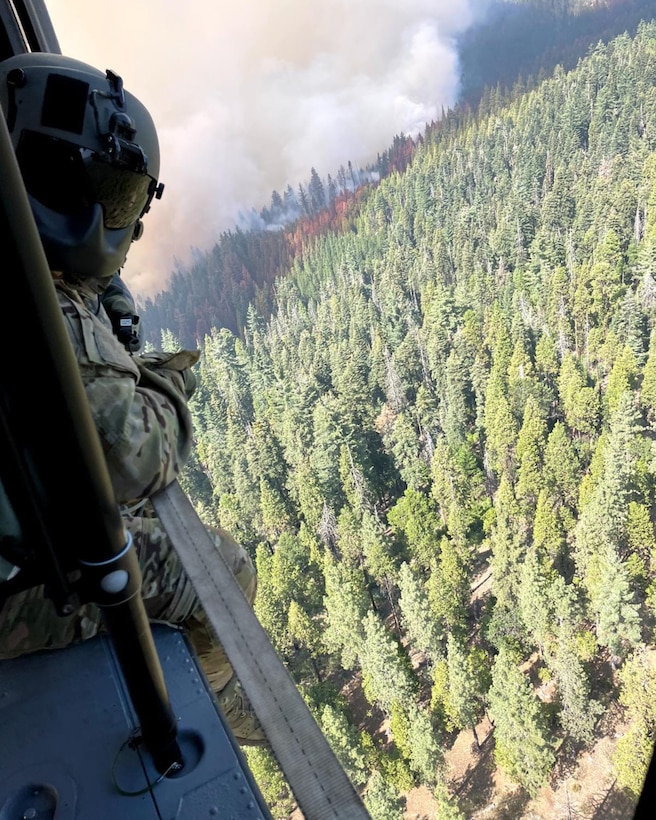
x,y
249,96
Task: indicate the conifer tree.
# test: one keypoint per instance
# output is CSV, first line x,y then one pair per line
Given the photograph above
x,y
641,545
467,686
535,602
447,806
307,493
382,800
618,620
386,670
550,530
580,401
561,474
529,456
273,508
269,606
635,748
500,426
415,521
448,586
270,780
346,603
522,746
621,379
604,518
579,711
456,414
425,757
420,622
507,552
648,387
345,741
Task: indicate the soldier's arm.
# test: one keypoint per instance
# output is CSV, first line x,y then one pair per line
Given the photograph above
x,y
139,407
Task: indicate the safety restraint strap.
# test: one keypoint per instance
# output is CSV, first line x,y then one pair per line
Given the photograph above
x,y
319,783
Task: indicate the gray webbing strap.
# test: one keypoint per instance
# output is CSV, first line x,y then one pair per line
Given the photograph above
x,y
320,785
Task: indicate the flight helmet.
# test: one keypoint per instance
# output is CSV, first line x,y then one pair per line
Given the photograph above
x,y
89,156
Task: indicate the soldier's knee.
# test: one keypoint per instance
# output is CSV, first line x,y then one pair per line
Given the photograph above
x,y
238,560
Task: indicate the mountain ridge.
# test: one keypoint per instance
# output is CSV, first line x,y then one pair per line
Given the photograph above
x,y
241,268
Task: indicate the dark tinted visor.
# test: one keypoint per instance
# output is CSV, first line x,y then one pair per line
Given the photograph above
x,y
67,179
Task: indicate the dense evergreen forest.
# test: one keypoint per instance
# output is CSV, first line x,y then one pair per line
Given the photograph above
x,y
516,45
436,437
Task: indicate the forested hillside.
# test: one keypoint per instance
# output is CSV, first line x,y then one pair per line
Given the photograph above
x,y
515,46
440,449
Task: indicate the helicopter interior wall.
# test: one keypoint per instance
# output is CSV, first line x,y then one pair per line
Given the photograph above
x,y
25,25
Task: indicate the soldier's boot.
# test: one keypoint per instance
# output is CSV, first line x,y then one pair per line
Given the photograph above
x,y
240,715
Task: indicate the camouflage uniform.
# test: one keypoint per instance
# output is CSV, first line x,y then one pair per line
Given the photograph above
x,y
139,405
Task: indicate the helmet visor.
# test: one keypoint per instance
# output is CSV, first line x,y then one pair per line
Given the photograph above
x,y
67,179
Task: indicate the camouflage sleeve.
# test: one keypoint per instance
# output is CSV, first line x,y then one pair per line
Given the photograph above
x,y
139,407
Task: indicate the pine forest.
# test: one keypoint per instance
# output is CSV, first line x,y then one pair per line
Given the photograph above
x,y
435,429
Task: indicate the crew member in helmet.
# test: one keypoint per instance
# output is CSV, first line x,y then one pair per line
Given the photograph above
x,y
89,156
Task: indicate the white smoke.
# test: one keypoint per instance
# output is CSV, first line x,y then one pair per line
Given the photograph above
x,y
249,96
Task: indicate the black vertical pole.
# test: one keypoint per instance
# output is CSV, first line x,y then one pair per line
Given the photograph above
x,y
57,470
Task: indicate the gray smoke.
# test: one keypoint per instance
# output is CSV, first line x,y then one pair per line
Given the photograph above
x,y
249,96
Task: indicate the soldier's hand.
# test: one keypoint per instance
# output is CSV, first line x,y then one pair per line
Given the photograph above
x,y
179,363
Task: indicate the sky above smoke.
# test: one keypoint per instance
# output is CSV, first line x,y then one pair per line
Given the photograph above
x,y
248,96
